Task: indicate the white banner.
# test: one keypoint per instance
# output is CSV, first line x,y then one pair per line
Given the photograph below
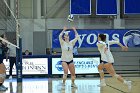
x,y
85,65
30,66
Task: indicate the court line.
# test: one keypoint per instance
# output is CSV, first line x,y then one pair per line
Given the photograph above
x,y
116,89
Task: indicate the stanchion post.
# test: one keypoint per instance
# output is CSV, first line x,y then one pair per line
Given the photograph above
x,y
19,61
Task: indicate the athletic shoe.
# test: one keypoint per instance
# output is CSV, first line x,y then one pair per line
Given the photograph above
x,y
129,85
10,77
73,85
102,85
63,86
2,89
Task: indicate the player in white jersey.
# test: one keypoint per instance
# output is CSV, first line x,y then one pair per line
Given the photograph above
x,y
3,52
67,54
107,60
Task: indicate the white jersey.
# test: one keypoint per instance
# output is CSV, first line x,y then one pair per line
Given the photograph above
x,y
67,48
106,55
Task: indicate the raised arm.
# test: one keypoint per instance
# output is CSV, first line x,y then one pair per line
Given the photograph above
x,y
124,48
76,36
75,31
60,35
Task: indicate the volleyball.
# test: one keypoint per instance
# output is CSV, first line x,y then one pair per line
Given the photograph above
x,y
70,18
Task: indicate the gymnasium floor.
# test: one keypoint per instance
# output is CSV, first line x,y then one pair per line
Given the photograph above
x,y
85,85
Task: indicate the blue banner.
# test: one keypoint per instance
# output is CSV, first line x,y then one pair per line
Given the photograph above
x,y
80,7
88,38
106,7
132,6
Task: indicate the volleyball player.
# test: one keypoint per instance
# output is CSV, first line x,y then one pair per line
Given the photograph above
x,y
107,60
67,55
3,50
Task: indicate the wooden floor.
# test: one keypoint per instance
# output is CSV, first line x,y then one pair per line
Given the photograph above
x,y
85,85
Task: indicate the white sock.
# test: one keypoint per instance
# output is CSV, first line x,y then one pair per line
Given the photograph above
x,y
103,80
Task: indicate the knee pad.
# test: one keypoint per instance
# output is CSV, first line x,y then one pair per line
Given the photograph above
x,y
100,71
64,76
3,76
116,75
